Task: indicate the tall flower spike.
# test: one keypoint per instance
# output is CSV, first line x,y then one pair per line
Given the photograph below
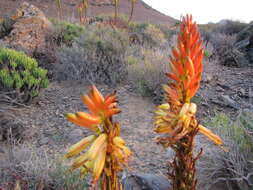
x,y
105,151
186,63
176,119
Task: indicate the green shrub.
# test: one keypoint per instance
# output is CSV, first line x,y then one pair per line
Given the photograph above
x,y
232,167
99,55
20,75
65,32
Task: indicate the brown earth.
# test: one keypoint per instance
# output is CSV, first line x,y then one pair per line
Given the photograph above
x,y
142,12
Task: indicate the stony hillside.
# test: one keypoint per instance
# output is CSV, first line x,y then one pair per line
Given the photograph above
x,y
142,12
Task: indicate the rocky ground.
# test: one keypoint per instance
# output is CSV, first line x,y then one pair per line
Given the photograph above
x,y
43,123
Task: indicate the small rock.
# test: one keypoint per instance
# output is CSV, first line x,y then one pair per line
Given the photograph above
x,y
225,100
228,101
145,182
207,78
44,140
224,86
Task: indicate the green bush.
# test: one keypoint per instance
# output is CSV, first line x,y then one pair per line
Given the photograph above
x,y
99,55
20,75
65,32
232,167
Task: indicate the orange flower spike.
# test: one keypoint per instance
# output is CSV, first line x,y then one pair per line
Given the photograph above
x,y
97,98
173,76
88,102
74,119
175,53
111,112
110,100
85,117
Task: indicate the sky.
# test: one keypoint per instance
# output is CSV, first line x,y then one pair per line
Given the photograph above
x,y
205,11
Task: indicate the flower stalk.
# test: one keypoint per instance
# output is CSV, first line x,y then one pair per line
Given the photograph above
x,y
176,119
105,152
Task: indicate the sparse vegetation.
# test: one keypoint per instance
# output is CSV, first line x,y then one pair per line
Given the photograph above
x,y
99,55
32,168
147,35
146,73
232,167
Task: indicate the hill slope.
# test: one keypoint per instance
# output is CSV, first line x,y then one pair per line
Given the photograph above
x,y
142,12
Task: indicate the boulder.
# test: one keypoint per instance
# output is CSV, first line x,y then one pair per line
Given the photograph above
x,y
29,29
145,182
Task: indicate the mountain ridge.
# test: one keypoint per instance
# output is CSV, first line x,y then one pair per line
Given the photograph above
x,y
142,12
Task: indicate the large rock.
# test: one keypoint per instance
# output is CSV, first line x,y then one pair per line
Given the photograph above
x,y
29,30
145,182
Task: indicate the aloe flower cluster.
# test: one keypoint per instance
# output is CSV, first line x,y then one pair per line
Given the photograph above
x,y
176,119
105,152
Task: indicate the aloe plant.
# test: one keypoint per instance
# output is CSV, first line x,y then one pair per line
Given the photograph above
x,y
107,153
176,119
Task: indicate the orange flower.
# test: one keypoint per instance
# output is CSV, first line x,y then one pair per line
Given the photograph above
x,y
104,153
101,108
186,63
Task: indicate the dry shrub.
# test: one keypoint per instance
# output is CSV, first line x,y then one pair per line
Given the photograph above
x,y
226,51
99,55
147,35
234,167
35,168
147,75
229,27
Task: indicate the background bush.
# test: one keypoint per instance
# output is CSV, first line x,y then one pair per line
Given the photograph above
x,y
230,27
65,32
233,168
20,76
146,73
147,35
98,55
226,51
